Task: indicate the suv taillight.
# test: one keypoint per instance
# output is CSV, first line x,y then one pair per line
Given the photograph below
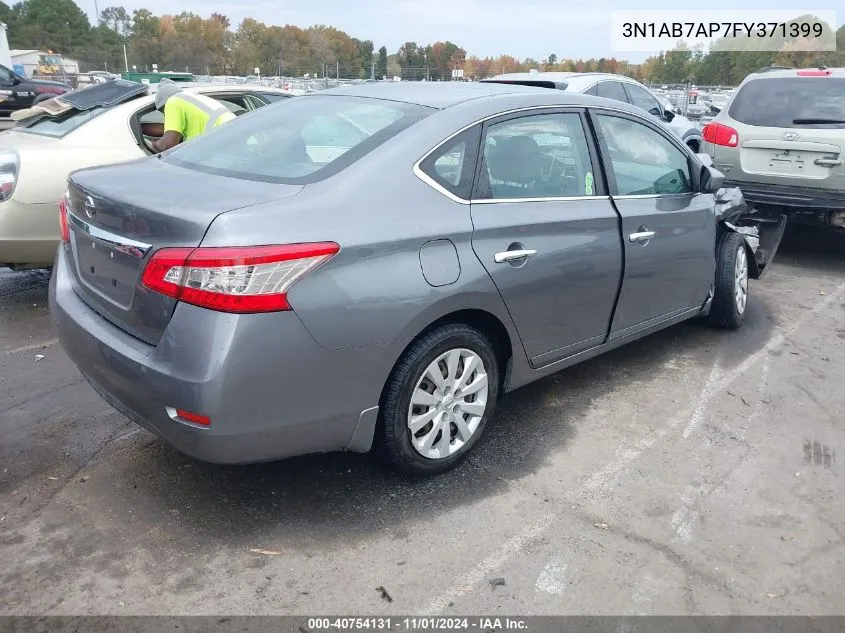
x,y
719,134
234,279
63,219
8,173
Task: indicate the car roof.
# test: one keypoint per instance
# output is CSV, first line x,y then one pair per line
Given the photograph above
x,y
780,73
432,94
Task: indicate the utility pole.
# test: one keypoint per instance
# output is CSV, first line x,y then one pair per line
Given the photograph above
x,y
125,58
97,11
373,71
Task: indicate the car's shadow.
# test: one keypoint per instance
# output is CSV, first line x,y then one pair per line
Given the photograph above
x,y
813,249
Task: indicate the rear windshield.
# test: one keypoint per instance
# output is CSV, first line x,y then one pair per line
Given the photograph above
x,y
58,126
802,102
297,141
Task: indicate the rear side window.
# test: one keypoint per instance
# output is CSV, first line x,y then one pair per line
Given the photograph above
x,y
612,90
536,156
58,126
308,140
794,102
452,165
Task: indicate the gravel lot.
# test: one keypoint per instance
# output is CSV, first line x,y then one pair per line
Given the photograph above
x,y
692,472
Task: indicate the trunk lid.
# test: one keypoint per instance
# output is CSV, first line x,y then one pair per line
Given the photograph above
x,y
804,157
119,215
16,139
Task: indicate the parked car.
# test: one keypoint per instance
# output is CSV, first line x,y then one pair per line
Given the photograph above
x,y
616,87
109,126
18,92
782,139
376,265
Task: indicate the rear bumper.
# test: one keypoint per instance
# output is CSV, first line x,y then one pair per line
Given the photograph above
x,y
29,233
801,204
271,392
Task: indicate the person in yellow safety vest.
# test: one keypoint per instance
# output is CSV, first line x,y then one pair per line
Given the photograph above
x,y
186,114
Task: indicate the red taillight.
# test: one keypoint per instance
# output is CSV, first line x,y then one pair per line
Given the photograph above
x,y
63,219
234,279
814,73
719,134
196,418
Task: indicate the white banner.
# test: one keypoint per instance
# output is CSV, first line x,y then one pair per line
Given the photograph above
x,y
742,30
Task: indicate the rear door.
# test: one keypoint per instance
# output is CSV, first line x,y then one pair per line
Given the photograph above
x,y
668,228
790,131
546,232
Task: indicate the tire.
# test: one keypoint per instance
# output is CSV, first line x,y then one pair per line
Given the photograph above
x,y
423,452
730,298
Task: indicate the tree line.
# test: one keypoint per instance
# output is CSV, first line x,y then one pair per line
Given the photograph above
x,y
213,45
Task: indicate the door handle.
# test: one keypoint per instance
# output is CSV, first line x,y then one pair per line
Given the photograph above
x,y
827,162
642,236
509,256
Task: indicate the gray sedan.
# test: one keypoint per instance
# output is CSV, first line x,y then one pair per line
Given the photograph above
x,y
373,267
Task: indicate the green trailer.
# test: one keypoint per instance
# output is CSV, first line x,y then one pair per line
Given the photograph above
x,y
154,78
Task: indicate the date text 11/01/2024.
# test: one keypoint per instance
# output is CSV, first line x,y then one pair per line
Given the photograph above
x,y
721,29
413,624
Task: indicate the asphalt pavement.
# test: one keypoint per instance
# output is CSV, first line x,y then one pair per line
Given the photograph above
x,y
692,472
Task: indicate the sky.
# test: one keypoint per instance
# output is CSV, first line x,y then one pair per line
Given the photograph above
x,y
522,28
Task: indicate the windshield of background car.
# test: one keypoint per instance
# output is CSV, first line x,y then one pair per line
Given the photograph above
x,y
298,141
777,102
59,126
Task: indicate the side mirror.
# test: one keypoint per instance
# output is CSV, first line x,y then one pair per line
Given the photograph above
x,y
668,115
711,180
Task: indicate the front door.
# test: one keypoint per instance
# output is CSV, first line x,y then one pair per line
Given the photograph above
x,y
546,232
668,228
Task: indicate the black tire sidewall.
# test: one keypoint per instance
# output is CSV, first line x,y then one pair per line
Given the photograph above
x,y
396,435
724,312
